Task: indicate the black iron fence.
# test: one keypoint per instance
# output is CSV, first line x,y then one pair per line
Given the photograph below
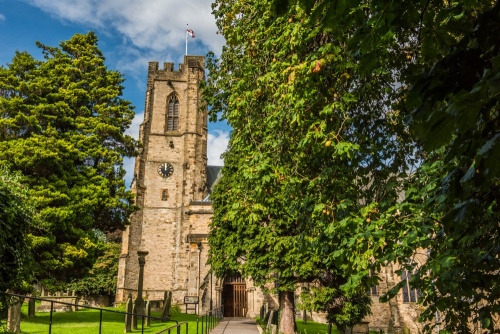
x,y
205,323
176,327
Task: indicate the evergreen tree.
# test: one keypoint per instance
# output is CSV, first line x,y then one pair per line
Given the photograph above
x,y
101,279
62,125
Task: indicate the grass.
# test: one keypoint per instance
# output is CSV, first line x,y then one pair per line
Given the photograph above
x,y
86,321
314,328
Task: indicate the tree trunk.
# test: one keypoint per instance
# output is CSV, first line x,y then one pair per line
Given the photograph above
x,y
14,315
287,323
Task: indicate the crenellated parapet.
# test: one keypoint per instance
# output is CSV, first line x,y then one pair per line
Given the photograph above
x,y
192,64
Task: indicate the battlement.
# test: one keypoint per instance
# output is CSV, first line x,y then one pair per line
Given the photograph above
x,y
190,62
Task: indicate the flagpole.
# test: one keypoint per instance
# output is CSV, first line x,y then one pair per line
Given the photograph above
x,y
189,32
187,26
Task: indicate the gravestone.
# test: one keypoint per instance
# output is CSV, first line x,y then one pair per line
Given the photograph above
x,y
134,316
270,320
361,328
266,318
148,313
167,305
31,307
128,316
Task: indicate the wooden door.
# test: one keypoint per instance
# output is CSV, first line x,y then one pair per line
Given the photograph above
x,y
240,300
234,296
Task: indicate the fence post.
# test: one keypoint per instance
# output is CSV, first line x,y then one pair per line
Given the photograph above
x,y
50,317
100,321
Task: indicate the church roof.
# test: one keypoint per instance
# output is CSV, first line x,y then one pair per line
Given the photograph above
x,y
212,175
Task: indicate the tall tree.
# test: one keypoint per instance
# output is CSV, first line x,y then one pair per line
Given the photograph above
x,y
101,279
444,59
315,153
16,216
62,124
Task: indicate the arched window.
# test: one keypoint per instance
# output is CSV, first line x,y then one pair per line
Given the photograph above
x,y
172,113
410,294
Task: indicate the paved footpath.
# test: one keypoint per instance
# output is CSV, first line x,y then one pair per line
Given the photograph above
x,y
236,326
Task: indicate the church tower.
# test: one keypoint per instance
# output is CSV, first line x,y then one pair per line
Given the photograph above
x,y
171,186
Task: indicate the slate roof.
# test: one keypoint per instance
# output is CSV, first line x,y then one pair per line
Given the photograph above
x,y
212,176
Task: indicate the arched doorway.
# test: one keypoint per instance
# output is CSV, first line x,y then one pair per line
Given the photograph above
x,y
234,296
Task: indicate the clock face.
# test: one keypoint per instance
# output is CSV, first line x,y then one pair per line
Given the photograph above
x,y
165,169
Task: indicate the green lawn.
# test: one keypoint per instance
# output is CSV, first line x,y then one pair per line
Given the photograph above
x,y
87,322
313,328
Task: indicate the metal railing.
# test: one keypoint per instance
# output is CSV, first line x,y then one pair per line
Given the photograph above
x,y
209,320
101,310
177,327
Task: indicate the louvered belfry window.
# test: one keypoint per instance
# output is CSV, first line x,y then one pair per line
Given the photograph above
x,y
173,113
410,294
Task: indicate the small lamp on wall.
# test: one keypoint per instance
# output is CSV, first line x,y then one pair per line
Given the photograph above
x,y
171,144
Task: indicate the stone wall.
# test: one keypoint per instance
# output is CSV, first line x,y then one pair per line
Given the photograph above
x,y
165,223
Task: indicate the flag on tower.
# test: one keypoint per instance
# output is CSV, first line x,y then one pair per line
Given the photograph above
x,y
189,32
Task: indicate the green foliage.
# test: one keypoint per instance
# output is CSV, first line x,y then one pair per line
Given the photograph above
x,y
62,125
101,279
442,57
338,109
345,309
16,217
315,154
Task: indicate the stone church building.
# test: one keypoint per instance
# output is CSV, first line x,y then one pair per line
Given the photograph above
x,y
172,184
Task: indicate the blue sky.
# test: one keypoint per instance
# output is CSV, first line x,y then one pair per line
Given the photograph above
x,y
131,33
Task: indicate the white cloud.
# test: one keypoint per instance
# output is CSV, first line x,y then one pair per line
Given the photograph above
x,y
134,127
217,144
149,24
149,30
2,17
128,165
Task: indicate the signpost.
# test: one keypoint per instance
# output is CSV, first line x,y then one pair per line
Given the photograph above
x,y
192,301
